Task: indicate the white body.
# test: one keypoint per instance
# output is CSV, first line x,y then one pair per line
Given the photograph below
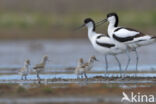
x,y
92,35
124,33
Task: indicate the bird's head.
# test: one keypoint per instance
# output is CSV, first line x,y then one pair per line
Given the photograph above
x,y
113,18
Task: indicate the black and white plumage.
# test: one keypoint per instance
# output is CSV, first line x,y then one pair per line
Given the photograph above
x,y
127,36
103,43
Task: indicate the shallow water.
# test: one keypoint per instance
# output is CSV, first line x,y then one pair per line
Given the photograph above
x,y
65,53
46,78
71,76
60,100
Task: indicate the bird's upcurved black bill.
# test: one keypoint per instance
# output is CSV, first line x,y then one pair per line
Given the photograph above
x,y
80,27
101,22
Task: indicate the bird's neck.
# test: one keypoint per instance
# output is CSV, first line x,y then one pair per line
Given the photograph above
x,y
111,27
91,33
80,63
26,66
44,62
90,61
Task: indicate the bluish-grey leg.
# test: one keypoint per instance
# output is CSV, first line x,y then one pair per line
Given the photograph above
x,y
22,77
25,77
129,59
86,76
78,76
106,61
81,76
119,64
137,61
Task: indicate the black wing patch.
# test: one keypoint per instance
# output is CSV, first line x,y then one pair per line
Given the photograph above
x,y
105,44
100,36
117,29
125,39
154,37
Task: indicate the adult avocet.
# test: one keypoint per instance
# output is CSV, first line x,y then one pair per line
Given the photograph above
x,y
103,43
130,37
24,71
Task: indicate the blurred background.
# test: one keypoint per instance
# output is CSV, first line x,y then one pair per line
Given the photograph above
x,y
30,29
55,19
33,28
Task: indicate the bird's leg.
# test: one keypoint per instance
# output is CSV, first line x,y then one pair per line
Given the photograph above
x,y
78,76
39,81
119,64
106,61
129,59
22,77
25,77
38,77
137,60
86,76
81,76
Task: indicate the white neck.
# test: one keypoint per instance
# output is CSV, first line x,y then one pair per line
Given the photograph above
x,y
111,28
91,33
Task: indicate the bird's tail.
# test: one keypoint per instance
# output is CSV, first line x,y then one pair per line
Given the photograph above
x,y
34,67
154,37
145,40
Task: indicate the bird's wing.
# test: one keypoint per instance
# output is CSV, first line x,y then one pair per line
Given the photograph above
x,y
38,66
85,65
21,70
126,34
104,41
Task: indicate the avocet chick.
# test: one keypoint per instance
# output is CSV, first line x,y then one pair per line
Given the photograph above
x,y
90,63
82,68
24,71
40,67
78,69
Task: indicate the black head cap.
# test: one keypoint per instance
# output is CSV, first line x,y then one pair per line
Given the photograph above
x,y
116,17
87,20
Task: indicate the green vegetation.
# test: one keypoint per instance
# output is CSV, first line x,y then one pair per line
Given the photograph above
x,y
29,20
21,89
47,90
45,25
